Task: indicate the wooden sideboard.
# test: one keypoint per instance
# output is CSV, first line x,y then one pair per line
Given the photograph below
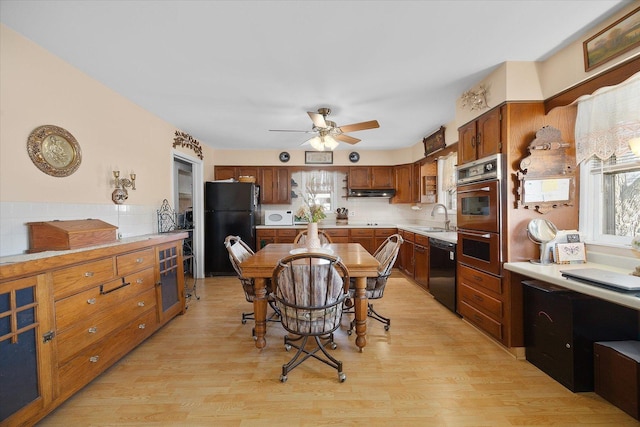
x,y
67,316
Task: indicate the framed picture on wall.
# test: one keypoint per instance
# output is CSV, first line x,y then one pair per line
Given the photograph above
x,y
318,157
614,40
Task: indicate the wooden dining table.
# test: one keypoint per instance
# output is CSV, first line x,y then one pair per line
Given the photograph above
x,y
361,264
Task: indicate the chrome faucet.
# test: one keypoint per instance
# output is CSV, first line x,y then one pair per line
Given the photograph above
x,y
447,222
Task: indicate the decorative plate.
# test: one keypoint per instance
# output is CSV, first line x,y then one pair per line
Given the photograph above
x,y
54,150
354,156
284,157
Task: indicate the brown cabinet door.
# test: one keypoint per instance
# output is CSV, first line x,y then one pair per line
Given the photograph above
x,y
421,267
415,183
247,171
403,177
467,143
224,172
267,180
407,253
359,177
488,140
283,185
382,177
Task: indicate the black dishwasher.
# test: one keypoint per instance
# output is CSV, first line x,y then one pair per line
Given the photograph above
x,y
442,272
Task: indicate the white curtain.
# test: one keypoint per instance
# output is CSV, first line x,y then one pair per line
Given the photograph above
x,y
449,171
607,120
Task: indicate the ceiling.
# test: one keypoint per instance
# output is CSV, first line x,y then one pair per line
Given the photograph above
x,y
228,71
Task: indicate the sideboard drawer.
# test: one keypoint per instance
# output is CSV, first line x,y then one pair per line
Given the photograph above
x,y
481,301
361,232
85,304
481,320
93,360
135,261
70,280
475,278
92,329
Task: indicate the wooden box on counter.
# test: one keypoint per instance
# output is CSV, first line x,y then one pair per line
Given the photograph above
x,y
65,235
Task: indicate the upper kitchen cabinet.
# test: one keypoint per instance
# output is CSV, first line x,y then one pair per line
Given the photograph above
x,y
275,185
235,172
481,137
407,183
371,177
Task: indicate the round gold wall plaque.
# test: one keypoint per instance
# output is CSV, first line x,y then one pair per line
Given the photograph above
x,y
54,150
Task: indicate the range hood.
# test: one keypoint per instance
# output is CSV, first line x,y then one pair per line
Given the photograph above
x,y
371,193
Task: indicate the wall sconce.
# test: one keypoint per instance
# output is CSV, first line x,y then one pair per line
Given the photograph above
x,y
120,194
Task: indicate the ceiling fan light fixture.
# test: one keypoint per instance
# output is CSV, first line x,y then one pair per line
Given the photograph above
x,y
330,143
316,143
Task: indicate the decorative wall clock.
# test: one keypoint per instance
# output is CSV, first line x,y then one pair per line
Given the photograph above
x,y
54,150
284,157
354,156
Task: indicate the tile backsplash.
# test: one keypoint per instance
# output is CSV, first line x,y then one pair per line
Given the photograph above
x,y
131,220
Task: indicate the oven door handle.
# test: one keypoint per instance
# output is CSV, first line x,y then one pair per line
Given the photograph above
x,y
483,235
474,190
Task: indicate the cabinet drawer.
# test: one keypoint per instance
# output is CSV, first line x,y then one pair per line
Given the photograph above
x,y
481,320
473,277
72,309
135,261
90,330
481,301
288,232
408,236
336,232
421,240
94,359
73,279
362,232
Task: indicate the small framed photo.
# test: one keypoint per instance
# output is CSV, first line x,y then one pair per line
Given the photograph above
x,y
568,253
318,157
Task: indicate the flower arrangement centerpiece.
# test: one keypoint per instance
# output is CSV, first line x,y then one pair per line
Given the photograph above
x,y
311,212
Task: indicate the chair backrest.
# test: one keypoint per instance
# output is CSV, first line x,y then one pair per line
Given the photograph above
x,y
386,254
310,289
301,238
238,252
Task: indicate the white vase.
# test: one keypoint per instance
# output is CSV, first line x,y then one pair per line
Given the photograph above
x,y
313,241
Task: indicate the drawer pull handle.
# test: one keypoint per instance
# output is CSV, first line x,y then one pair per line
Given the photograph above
x,y
542,313
140,303
477,318
91,301
142,326
478,298
93,330
94,359
478,278
139,281
139,260
103,292
88,274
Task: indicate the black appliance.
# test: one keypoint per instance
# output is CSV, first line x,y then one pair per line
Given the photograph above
x,y
442,272
230,209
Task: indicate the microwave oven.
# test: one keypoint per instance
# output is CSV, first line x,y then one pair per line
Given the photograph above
x,y
278,217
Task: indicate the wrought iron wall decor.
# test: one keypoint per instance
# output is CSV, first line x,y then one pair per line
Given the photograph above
x,y
185,140
476,99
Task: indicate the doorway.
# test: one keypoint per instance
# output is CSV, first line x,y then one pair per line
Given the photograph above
x,y
188,190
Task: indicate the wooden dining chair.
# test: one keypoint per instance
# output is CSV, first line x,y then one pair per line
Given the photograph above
x,y
238,252
301,238
386,254
309,290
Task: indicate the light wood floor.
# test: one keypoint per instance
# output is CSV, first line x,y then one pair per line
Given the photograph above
x,y
430,369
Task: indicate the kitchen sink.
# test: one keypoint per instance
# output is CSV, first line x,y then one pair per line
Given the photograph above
x,y
430,229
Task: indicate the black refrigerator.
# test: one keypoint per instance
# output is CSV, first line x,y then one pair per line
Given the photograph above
x,y
230,209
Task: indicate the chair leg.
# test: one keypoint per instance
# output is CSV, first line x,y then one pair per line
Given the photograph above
x,y
321,342
374,315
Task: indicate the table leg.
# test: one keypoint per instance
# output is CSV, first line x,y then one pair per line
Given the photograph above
x,y
360,302
260,311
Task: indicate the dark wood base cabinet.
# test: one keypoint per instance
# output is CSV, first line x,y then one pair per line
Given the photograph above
x,y
65,319
561,327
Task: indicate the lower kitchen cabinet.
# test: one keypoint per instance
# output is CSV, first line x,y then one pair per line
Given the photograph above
x,y
65,319
421,261
406,262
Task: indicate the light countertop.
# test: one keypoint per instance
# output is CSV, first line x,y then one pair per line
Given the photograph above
x,y
551,273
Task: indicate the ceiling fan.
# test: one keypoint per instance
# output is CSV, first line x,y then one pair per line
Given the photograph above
x,y
328,134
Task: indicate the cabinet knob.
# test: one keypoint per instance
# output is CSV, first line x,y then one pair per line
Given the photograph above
x,y
88,274
140,303
567,345
93,330
142,326
94,359
139,260
139,281
91,301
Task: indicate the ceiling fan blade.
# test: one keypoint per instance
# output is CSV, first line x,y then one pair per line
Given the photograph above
x,y
346,138
371,124
288,130
317,119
